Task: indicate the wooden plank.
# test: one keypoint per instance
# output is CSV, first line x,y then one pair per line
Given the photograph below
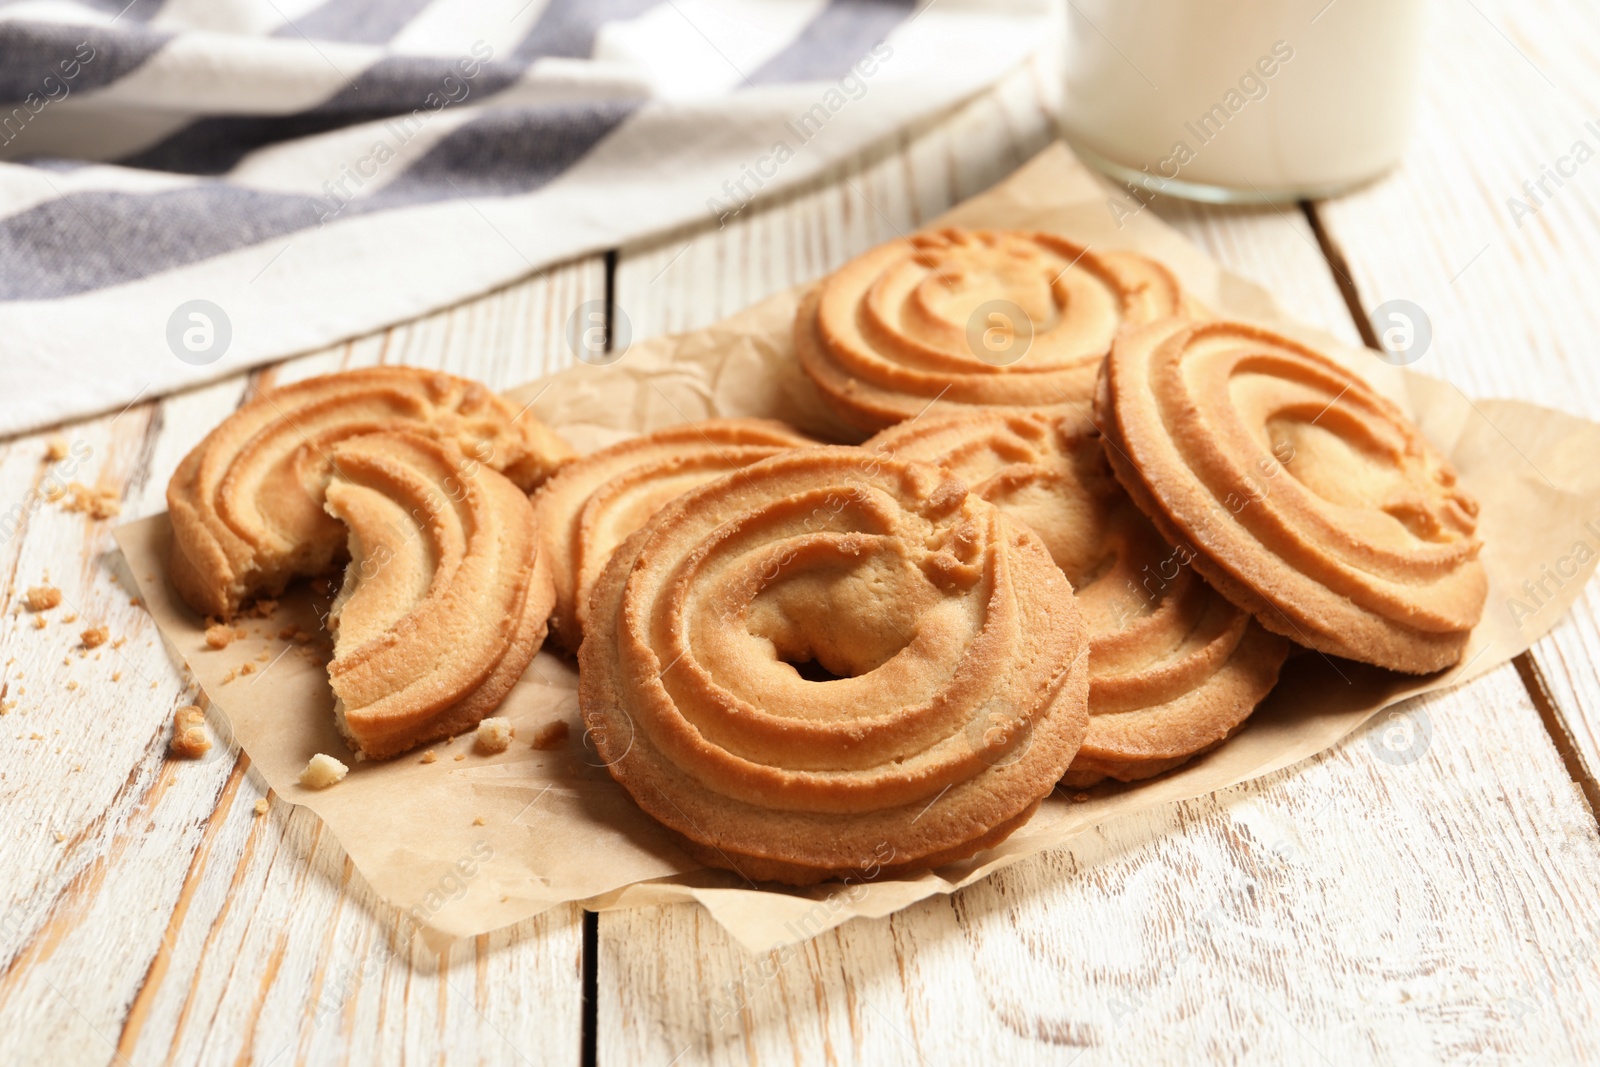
x,y
168,915
1503,271
1348,910
1225,925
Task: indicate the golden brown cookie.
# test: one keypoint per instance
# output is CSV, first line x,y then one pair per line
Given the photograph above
x,y
592,506
246,503
834,664
1309,499
445,598
1173,667
972,318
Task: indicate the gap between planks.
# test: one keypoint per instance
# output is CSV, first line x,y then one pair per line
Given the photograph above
x,y
589,1045
1527,670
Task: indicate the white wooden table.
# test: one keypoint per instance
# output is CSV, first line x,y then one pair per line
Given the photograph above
x,y
1435,906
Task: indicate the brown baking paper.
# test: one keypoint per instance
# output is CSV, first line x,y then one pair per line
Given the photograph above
x,y
472,842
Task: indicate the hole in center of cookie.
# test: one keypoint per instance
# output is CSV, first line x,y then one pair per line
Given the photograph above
x,y
827,614
812,671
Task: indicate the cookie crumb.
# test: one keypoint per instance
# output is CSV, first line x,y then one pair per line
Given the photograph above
x,y
95,636
460,756
38,622
134,601
289,633
429,756
116,676
60,836
72,685
95,503
55,450
189,738
262,609
479,821
551,735
323,771
42,598
92,503
219,636
494,734
261,806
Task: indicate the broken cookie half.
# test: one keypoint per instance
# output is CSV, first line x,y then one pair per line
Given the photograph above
x,y
446,596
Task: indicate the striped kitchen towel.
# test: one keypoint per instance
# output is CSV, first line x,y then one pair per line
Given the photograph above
x,y
190,187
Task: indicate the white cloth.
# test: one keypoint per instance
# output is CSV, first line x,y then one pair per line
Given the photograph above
x,y
312,170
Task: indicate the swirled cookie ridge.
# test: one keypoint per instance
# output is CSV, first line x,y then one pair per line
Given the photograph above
x,y
445,598
246,503
827,655
595,502
1174,667
1311,500
963,318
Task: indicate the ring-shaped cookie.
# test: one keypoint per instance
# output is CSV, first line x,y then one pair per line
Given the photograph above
x,y
960,318
1312,502
1174,668
832,663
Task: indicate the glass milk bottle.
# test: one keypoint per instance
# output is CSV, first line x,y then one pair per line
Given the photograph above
x,y
1242,100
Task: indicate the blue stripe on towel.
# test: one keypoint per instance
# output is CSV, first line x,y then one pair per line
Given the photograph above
x,y
90,240
32,51
391,86
841,33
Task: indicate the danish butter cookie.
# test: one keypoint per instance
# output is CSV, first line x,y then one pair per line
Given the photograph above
x,y
246,503
446,596
972,318
1311,501
592,506
1174,668
832,663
